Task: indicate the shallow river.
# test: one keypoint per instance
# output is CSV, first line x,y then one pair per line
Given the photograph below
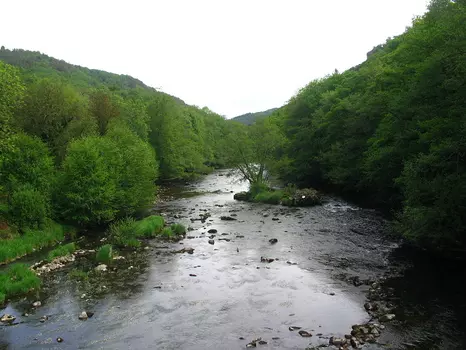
x,y
152,302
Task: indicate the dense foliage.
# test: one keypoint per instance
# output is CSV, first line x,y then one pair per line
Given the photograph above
x,y
86,146
251,118
392,130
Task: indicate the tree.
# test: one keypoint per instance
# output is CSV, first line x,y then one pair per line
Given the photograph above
x,y
11,95
103,109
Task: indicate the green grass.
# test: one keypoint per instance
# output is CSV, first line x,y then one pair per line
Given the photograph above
x,y
17,280
79,275
178,229
105,254
150,226
63,250
269,197
30,241
167,233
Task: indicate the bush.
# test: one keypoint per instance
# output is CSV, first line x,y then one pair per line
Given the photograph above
x,y
150,226
63,250
30,241
178,229
28,207
105,254
17,280
123,233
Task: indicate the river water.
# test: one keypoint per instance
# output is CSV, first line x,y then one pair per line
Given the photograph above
x,y
222,296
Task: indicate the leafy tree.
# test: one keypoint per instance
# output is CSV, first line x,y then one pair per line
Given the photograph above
x,y
11,95
103,109
88,183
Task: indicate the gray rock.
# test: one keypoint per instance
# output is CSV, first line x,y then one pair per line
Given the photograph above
x,y
273,240
305,334
211,241
387,317
83,316
36,304
294,328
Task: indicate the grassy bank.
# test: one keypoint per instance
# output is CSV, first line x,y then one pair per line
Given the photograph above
x,y
20,245
17,280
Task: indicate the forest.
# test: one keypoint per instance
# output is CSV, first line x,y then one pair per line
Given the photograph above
x,y
84,147
391,132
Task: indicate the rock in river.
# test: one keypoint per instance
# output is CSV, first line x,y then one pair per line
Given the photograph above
x,y
227,218
212,230
7,318
387,317
211,241
305,334
101,268
273,240
36,304
83,316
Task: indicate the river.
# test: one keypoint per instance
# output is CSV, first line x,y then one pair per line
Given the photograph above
x,y
222,296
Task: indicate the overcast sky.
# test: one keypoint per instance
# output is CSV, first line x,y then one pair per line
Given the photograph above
x,y
233,56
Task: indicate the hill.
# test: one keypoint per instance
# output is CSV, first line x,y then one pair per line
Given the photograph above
x,y
251,118
36,65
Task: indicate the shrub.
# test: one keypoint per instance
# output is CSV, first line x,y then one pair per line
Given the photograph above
x,y
178,229
303,198
28,207
150,226
123,233
63,250
17,280
105,254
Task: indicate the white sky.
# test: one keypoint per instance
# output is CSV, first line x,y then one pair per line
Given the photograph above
x,y
234,56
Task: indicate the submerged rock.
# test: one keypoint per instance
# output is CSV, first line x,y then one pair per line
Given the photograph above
x,y
305,334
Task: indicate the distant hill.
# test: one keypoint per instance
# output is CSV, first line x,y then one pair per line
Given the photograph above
x,y
38,65
251,118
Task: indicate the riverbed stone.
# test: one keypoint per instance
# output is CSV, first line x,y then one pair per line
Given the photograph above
x,y
36,304
101,268
83,316
387,317
211,241
273,240
304,334
227,218
7,318
212,230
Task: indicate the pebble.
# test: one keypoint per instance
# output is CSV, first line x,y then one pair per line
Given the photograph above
x,y
59,340
36,304
83,316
